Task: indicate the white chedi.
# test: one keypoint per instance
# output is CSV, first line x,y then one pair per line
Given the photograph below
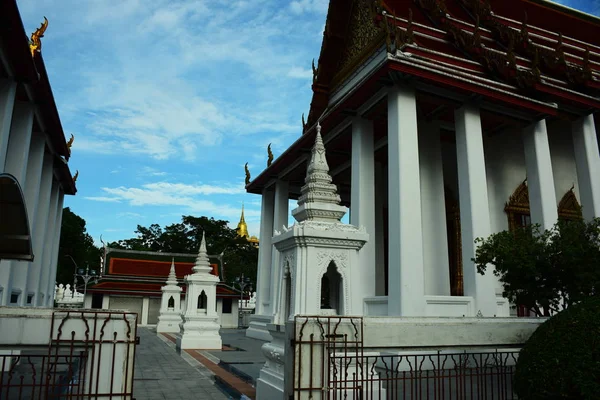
x,y
200,326
169,319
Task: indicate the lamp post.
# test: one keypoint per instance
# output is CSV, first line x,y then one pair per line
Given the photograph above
x,y
242,281
86,277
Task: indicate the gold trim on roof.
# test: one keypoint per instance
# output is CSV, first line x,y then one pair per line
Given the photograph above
x,y
35,44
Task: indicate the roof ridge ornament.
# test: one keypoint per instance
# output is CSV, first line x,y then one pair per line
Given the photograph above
x,y
35,44
269,155
70,143
247,174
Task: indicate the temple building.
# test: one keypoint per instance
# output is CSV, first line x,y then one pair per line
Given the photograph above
x,y
132,280
34,170
443,122
242,230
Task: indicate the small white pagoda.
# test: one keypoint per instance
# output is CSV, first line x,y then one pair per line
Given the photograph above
x,y
170,305
200,327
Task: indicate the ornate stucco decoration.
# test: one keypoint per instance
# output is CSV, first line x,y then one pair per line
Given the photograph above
x,y
35,44
363,37
324,258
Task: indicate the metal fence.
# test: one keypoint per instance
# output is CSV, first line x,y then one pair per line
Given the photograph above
x,y
332,362
90,355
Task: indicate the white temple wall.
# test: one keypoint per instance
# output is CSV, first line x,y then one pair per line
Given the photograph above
x,y
505,169
563,159
433,212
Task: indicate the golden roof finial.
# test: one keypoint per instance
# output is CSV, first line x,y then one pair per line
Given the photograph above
x,y
242,228
35,44
70,143
270,154
75,176
247,174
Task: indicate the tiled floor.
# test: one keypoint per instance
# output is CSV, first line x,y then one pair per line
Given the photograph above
x,y
161,373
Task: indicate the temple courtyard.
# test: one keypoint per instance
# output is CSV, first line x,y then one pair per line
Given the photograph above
x,y
163,373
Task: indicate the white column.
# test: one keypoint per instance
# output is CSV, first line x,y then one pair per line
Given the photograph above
x,y
8,91
22,270
362,204
39,226
145,306
45,254
433,212
19,141
540,180
280,219
53,258
474,206
16,165
263,278
406,279
588,165
106,301
379,231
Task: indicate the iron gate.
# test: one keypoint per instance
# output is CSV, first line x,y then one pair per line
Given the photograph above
x,y
332,362
91,354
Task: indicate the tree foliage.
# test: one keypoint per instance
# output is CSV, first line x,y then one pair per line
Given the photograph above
x,y
76,246
545,270
239,256
561,360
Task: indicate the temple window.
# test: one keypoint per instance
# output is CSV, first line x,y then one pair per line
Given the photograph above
x,y
171,303
202,301
454,238
331,289
227,305
517,208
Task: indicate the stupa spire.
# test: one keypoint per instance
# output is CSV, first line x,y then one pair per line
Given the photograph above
x,y
242,228
172,279
202,263
320,199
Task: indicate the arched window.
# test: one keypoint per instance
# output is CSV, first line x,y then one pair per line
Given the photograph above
x,y
171,303
569,208
517,208
202,301
331,289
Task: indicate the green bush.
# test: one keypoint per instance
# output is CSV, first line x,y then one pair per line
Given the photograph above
x,y
561,360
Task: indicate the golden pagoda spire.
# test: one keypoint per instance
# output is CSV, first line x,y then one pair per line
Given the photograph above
x,y
242,228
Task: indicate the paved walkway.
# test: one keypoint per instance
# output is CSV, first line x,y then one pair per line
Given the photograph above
x,y
161,373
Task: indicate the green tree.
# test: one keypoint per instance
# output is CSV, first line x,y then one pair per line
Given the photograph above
x,y
544,270
76,246
239,256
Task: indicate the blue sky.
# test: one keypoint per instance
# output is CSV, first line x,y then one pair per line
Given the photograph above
x,y
168,99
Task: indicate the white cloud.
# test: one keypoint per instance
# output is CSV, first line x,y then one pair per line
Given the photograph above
x,y
304,6
301,73
104,199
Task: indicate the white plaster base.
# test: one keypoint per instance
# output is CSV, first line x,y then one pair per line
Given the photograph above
x,y
169,322
257,329
271,381
200,332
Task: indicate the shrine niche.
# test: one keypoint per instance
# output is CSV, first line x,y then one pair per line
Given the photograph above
x,y
453,231
517,208
569,208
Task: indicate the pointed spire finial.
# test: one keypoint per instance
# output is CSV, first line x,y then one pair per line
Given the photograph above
x,y
172,279
318,193
202,263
